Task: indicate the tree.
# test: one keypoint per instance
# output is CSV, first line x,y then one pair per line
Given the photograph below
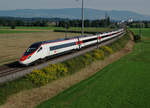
x,y
87,23
13,25
61,24
19,23
67,25
146,24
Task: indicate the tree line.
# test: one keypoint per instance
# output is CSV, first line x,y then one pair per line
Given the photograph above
x,y
137,24
17,22
43,22
87,23
66,23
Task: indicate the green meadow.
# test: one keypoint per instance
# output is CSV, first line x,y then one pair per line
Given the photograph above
x,y
123,84
7,30
14,31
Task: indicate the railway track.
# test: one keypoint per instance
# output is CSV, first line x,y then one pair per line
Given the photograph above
x,y
10,71
14,70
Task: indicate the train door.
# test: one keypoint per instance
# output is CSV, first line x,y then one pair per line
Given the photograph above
x,y
40,52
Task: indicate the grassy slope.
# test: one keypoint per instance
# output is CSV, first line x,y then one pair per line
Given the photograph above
x,y
123,84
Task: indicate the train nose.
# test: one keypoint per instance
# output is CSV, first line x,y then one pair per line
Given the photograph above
x,y
23,58
22,63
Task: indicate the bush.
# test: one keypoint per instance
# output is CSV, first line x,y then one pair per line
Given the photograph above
x,y
56,70
75,64
116,46
87,56
52,72
107,50
85,61
98,54
38,77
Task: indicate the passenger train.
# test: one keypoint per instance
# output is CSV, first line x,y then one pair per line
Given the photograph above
x,y
41,50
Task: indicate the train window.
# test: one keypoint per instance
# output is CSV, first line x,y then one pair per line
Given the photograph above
x,y
29,51
62,46
88,40
39,49
32,49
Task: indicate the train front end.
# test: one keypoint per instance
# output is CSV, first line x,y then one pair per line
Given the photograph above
x,y
30,55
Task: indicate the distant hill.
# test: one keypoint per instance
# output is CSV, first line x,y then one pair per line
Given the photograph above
x,y
73,13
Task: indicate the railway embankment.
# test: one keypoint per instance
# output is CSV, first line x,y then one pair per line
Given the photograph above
x,y
74,70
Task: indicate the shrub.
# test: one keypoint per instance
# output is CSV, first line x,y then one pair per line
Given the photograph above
x,y
116,46
56,70
107,49
52,72
61,70
98,54
88,59
38,77
87,56
85,61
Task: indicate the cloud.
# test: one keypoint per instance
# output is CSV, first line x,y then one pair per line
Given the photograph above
x,y
140,6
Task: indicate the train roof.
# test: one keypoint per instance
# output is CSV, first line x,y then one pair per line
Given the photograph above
x,y
61,39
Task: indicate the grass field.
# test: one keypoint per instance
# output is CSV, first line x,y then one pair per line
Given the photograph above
x,y
16,31
123,84
145,31
39,29
89,29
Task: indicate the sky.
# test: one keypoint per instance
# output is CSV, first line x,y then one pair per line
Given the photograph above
x,y
139,6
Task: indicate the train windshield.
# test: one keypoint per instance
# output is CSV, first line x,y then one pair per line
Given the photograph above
x,y
31,49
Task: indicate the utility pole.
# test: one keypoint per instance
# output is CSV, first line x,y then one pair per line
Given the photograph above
x,y
82,17
82,12
140,31
106,17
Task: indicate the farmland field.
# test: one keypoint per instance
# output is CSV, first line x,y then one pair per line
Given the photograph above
x,y
123,84
17,31
39,29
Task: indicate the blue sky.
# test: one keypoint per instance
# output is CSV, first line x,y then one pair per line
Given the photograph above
x,y
140,6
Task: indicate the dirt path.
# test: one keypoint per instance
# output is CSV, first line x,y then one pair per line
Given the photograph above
x,y
31,98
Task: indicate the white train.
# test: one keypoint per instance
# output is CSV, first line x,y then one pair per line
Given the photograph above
x,y
44,49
